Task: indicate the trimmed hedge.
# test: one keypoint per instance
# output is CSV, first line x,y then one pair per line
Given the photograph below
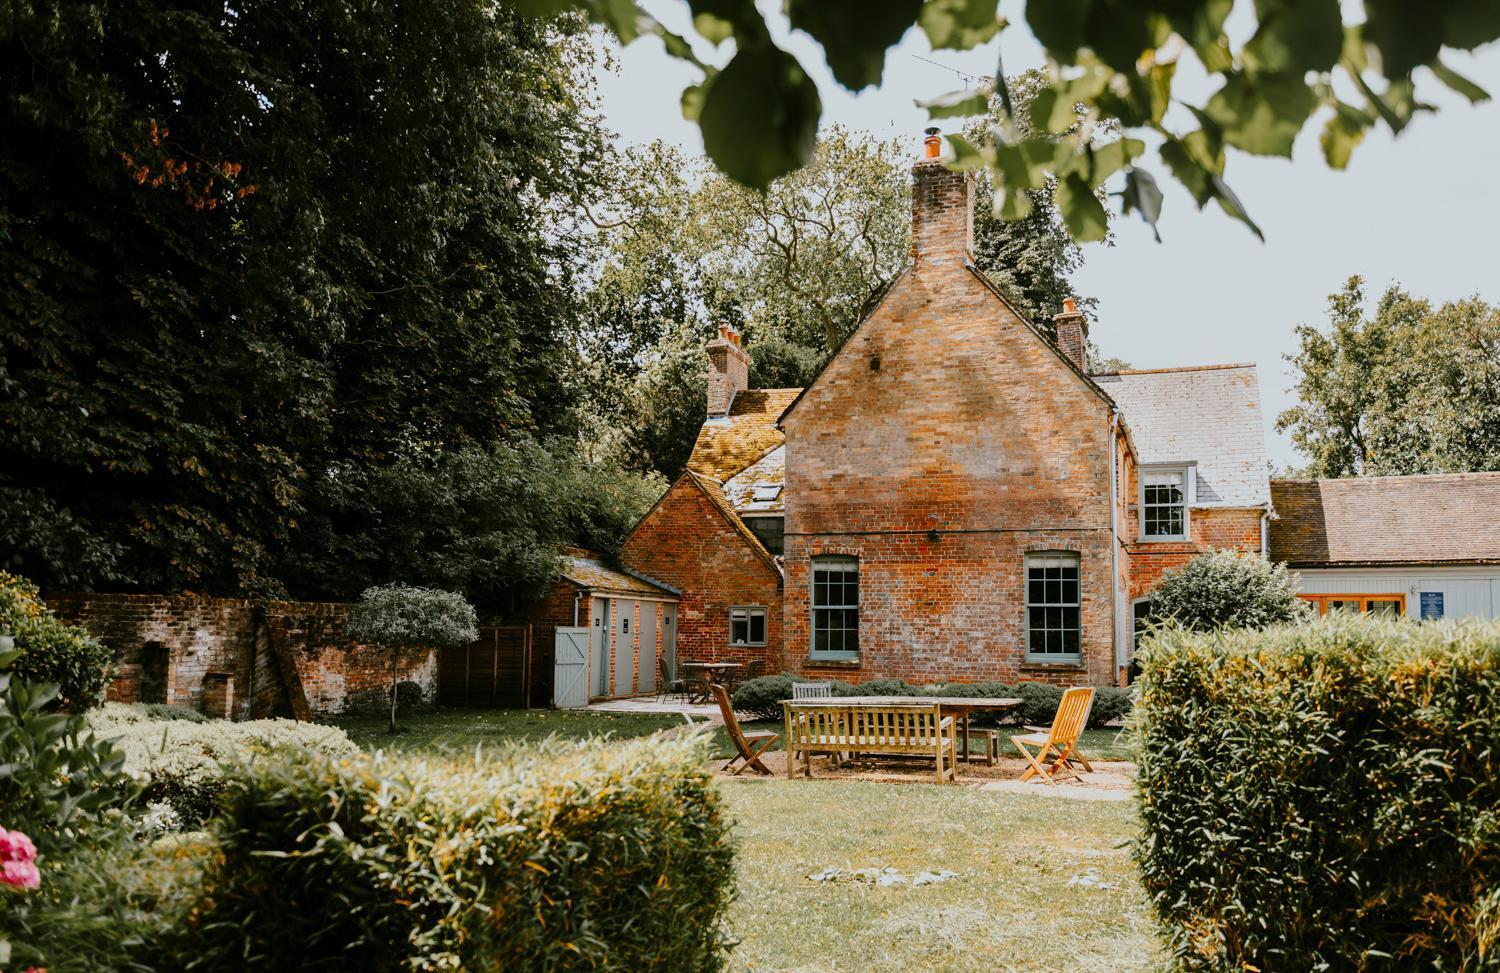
x,y
1323,796
761,698
186,762
568,858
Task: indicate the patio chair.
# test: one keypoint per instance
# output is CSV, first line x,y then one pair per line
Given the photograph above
x,y
750,745
669,684
754,669
1061,740
812,690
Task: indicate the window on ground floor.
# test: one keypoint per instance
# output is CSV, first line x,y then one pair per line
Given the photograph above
x,y
835,607
747,625
1053,627
1140,621
1393,604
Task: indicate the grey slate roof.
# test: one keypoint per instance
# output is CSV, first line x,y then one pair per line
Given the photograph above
x,y
767,472
1209,415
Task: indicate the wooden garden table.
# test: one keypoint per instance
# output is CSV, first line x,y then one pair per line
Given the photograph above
x,y
960,707
712,673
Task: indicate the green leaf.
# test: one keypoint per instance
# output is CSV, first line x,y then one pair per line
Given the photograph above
x,y
854,34
716,30
958,104
692,101
1296,35
1119,33
1011,203
1059,25
1201,24
1110,159
760,116
1459,83
959,24
1407,35
1188,170
1082,213
1344,131
966,157
1230,203
1142,195
1470,23
1262,115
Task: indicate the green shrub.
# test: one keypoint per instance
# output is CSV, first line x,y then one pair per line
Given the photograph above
x,y
568,858
55,772
1323,796
111,902
760,698
1228,589
189,764
52,651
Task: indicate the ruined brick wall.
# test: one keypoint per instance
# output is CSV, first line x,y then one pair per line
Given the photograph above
x,y
1227,529
686,543
203,636
943,443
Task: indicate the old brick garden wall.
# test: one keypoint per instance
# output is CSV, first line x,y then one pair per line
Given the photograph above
x,y
240,659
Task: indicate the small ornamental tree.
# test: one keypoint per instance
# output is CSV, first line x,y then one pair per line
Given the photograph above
x,y
398,615
1228,589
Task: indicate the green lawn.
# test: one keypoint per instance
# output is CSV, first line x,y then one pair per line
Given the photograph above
x,y
1010,908
460,730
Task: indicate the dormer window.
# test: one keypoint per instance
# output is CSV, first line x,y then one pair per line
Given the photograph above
x,y
1166,492
766,493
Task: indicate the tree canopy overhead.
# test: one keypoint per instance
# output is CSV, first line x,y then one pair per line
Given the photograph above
x,y
1112,63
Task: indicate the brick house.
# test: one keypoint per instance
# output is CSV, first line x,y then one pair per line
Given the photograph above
x,y
953,497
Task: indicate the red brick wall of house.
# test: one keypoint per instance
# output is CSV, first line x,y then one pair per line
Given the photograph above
x,y
218,635
945,416
685,542
1227,529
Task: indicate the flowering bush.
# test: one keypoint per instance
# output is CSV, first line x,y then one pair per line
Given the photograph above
x,y
18,861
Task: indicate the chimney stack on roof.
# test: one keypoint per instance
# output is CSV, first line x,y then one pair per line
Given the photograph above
x,y
942,208
728,370
1073,334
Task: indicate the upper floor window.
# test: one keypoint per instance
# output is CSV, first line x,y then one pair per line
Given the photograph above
x,y
747,626
1164,502
770,531
1053,624
835,607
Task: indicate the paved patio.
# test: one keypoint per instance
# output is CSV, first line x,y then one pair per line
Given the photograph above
x,y
650,704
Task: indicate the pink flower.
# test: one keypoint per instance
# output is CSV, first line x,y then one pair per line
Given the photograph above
x,y
15,846
22,875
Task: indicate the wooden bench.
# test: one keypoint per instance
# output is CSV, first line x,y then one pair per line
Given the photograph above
x,y
844,729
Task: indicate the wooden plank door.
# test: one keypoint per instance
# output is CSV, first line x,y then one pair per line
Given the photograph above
x,y
570,688
669,638
624,660
599,657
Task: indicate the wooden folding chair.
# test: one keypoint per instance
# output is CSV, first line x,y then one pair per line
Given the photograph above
x,y
1061,740
750,745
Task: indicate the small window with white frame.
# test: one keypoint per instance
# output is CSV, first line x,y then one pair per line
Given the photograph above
x,y
747,625
1054,627
1166,492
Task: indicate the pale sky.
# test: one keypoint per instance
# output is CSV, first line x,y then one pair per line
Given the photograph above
x,y
1421,209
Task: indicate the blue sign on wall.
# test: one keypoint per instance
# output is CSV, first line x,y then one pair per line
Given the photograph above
x,y
1432,604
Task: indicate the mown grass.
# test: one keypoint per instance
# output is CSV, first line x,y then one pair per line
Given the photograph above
x,y
1010,908
461,730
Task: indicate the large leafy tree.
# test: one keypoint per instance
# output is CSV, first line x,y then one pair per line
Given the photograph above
x,y
1412,388
1117,60
247,247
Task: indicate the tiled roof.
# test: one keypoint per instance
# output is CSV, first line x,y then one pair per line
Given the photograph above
x,y
759,480
728,444
1209,415
1447,518
714,490
597,576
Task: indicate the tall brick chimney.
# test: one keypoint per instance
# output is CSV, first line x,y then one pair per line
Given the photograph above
x,y
942,208
728,369
1073,333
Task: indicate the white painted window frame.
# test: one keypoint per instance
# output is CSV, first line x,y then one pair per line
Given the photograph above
x,y
1058,658
825,561
749,611
1189,473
